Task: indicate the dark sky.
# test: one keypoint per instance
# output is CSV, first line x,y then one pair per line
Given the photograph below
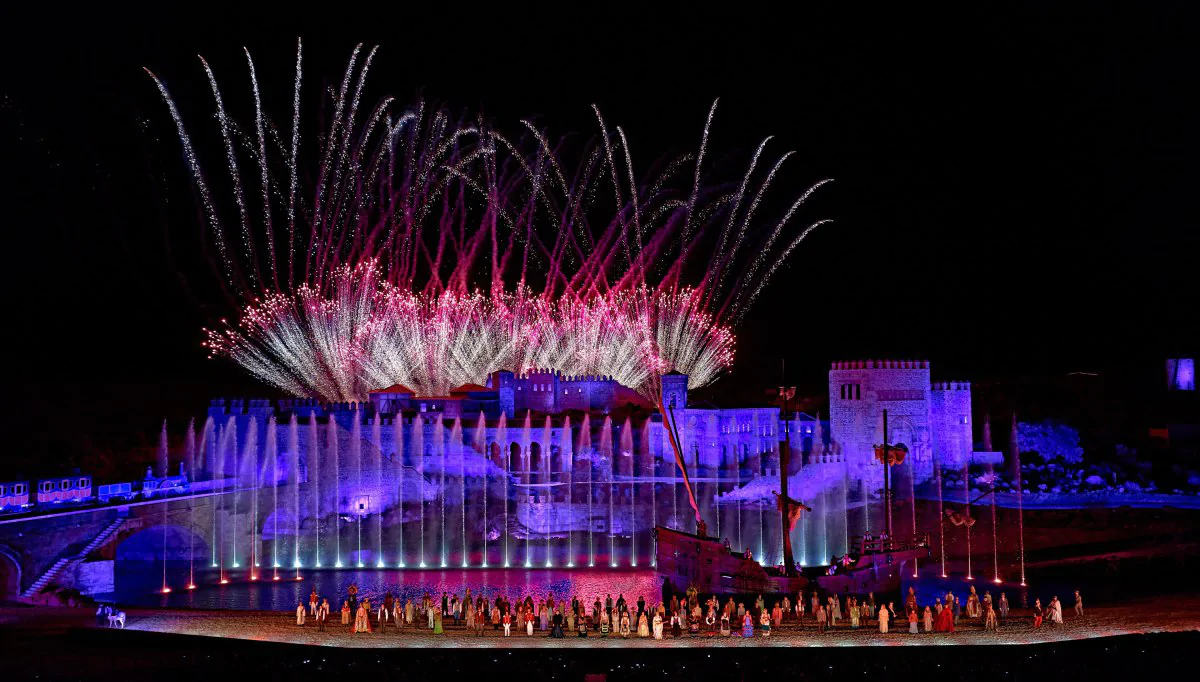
x,y
1014,192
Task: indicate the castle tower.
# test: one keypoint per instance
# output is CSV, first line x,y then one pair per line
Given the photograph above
x,y
674,390
538,390
859,392
504,383
950,404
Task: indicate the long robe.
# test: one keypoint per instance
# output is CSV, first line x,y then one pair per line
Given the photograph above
x,y
945,621
658,626
928,619
361,622
300,613
643,629
883,620
747,626
437,621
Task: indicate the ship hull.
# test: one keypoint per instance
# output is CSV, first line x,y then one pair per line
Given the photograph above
x,y
687,560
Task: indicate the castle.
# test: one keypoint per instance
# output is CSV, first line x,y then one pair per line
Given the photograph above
x,y
932,419
541,457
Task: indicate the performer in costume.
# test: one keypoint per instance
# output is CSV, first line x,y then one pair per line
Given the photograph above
x,y
973,609
945,620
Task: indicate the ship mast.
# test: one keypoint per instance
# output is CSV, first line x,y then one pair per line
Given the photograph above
x,y
785,452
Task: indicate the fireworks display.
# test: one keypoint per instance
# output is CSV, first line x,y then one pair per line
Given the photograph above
x,y
430,250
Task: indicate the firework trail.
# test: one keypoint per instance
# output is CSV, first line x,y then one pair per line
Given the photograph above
x,y
430,250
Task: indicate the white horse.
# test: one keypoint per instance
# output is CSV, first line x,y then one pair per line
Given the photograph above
x,y
117,619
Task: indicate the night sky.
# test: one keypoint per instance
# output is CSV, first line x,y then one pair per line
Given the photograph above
x,y
1014,193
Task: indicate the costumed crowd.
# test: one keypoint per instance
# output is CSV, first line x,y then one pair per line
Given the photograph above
x,y
675,616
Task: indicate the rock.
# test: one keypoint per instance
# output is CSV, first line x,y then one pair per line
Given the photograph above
x,y
1094,480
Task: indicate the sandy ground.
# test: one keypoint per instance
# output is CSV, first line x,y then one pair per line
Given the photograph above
x,y
1179,613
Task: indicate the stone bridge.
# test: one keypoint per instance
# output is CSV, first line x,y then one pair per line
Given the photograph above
x,y
79,548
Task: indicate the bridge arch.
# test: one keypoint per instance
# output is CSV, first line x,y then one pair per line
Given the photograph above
x,y
10,573
182,544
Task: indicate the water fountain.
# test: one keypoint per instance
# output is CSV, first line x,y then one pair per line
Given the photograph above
x,y
479,448
546,457
189,453
524,460
356,460
293,449
456,448
418,455
967,507
937,472
163,466
585,449
606,458
503,452
247,480
627,455
398,459
271,456
1014,446
377,466
568,458
332,456
439,455
314,471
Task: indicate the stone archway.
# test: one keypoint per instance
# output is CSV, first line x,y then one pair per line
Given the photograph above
x,y
535,462
514,457
10,573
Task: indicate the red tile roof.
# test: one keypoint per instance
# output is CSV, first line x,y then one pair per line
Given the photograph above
x,y
396,388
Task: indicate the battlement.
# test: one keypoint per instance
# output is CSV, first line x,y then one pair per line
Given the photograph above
x,y
880,364
295,403
584,377
951,386
558,375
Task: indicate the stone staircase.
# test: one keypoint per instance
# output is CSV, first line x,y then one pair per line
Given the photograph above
x,y
63,563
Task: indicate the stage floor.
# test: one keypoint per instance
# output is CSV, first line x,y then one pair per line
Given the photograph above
x,y
1175,613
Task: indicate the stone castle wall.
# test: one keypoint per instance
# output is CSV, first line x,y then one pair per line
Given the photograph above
x,y
928,418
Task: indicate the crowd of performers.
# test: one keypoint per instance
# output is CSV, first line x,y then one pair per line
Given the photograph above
x,y
675,616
